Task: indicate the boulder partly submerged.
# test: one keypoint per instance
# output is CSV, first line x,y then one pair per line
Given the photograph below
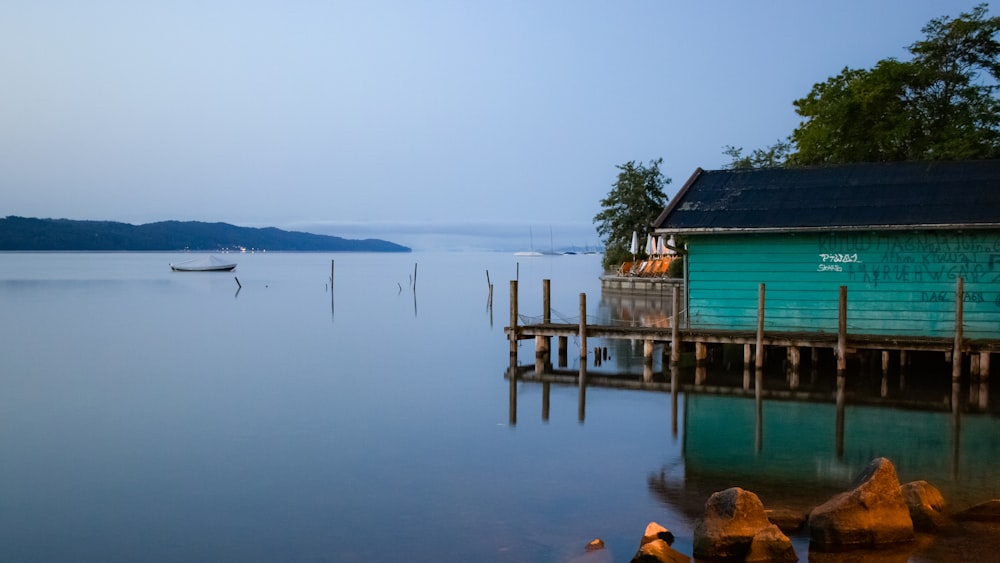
x,y
873,514
928,509
655,547
734,520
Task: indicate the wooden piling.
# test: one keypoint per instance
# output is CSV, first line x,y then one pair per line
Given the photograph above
x,y
904,360
956,355
513,327
541,343
984,380
974,380
546,301
842,334
700,353
794,363
747,360
647,360
813,364
675,334
759,359
582,400
547,318
489,286
885,373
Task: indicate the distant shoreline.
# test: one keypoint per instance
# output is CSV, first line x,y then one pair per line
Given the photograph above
x,y
66,235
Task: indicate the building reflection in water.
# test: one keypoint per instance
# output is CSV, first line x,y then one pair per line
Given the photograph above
x,y
794,442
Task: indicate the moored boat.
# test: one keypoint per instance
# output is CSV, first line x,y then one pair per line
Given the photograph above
x,y
204,264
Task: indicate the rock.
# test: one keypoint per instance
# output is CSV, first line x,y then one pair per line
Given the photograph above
x,y
770,544
872,514
655,547
658,551
595,544
988,511
655,531
928,509
732,519
789,521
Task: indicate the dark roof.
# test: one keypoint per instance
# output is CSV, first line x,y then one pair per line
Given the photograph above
x,y
932,195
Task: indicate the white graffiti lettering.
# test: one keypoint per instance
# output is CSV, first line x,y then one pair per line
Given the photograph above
x,y
840,258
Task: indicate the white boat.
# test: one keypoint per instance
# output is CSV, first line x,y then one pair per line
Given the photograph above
x,y
204,264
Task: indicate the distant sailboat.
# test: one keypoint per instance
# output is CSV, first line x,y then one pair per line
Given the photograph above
x,y
531,242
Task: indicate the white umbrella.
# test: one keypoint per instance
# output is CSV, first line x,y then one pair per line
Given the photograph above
x,y
663,246
650,245
671,244
634,249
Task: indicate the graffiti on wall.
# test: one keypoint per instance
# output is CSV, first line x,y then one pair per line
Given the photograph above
x,y
925,257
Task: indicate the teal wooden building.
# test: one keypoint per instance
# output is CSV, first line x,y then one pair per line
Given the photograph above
x,y
897,235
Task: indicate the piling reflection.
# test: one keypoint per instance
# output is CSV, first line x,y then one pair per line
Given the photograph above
x,y
798,448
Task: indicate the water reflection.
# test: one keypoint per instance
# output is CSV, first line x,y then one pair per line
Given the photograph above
x,y
798,452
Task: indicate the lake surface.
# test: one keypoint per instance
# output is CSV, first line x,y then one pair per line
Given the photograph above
x,y
261,415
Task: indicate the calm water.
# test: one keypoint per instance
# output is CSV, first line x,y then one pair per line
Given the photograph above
x,y
159,416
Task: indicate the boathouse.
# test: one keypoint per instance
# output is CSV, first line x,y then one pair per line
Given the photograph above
x,y
905,240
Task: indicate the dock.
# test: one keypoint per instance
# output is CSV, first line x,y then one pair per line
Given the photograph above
x,y
966,356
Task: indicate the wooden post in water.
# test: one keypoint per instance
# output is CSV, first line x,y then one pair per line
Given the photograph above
x,y
956,354
747,360
759,360
903,361
513,327
546,301
841,369
813,364
842,334
547,318
582,402
700,353
675,340
647,360
331,276
794,361
700,357
984,380
885,373
974,380
563,343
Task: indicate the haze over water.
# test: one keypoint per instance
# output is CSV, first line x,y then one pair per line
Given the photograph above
x,y
160,416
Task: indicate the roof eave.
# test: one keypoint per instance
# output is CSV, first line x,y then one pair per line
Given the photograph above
x,y
827,228
677,198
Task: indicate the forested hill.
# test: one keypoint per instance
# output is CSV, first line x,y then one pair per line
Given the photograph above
x,y
22,233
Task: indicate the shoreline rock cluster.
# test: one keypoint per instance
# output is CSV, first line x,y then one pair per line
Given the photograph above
x,y
877,515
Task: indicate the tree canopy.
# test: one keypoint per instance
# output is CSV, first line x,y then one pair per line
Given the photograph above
x,y
940,105
635,200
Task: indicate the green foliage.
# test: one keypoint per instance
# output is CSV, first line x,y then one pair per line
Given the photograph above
x,y
676,268
635,200
771,157
941,105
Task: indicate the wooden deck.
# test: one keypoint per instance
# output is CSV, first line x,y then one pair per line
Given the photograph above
x,y
780,339
755,342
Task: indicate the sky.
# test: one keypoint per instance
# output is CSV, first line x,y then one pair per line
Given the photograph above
x,y
436,124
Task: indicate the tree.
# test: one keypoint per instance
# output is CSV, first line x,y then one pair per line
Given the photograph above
x,y
771,157
941,105
635,200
